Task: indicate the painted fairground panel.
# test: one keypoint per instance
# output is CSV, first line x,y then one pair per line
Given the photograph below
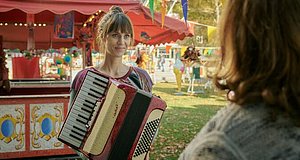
x,y
45,123
12,122
29,126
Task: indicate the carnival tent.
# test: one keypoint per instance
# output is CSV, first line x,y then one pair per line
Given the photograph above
x,y
44,12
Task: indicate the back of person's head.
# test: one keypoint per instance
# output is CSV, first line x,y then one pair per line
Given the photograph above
x,y
115,20
260,41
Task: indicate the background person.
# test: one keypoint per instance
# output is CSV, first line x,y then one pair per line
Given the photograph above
x,y
261,60
178,70
162,62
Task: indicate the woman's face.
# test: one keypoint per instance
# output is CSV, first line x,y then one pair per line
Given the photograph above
x,y
116,43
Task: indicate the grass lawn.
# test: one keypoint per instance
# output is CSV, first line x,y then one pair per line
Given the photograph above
x,y
183,118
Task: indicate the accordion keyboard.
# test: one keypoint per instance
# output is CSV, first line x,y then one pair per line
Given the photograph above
x,y
81,112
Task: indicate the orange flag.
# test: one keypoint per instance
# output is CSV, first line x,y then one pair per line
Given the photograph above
x,y
163,12
168,49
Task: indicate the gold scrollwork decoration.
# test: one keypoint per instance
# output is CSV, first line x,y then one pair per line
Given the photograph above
x,y
34,117
46,126
59,116
21,121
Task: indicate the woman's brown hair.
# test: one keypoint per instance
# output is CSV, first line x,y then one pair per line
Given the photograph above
x,y
260,43
114,20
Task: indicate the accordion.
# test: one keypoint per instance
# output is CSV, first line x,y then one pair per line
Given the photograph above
x,y
111,120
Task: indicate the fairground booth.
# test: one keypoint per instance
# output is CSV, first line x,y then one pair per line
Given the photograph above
x,y
43,45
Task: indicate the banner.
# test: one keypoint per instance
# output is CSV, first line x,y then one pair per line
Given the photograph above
x,y
163,12
184,4
151,7
183,48
211,31
26,68
168,49
64,25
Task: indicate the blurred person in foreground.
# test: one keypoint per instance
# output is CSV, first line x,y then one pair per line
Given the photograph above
x,y
261,61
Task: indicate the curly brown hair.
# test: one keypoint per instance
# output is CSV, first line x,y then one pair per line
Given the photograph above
x,y
260,43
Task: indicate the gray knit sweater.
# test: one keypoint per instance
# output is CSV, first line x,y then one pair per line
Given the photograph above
x,y
245,133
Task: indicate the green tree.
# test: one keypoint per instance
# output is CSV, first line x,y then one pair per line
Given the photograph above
x,y
204,13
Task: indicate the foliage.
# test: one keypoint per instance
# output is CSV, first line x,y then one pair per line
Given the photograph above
x,y
200,11
183,119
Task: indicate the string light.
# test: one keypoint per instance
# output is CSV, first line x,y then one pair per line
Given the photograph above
x,y
22,24
90,19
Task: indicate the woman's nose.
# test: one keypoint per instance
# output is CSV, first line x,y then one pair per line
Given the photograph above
x,y
121,39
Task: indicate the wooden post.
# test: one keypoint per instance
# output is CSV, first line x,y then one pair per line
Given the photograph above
x,y
83,55
4,81
30,39
1,46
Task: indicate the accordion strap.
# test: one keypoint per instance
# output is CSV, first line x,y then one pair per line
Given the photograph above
x,y
135,79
